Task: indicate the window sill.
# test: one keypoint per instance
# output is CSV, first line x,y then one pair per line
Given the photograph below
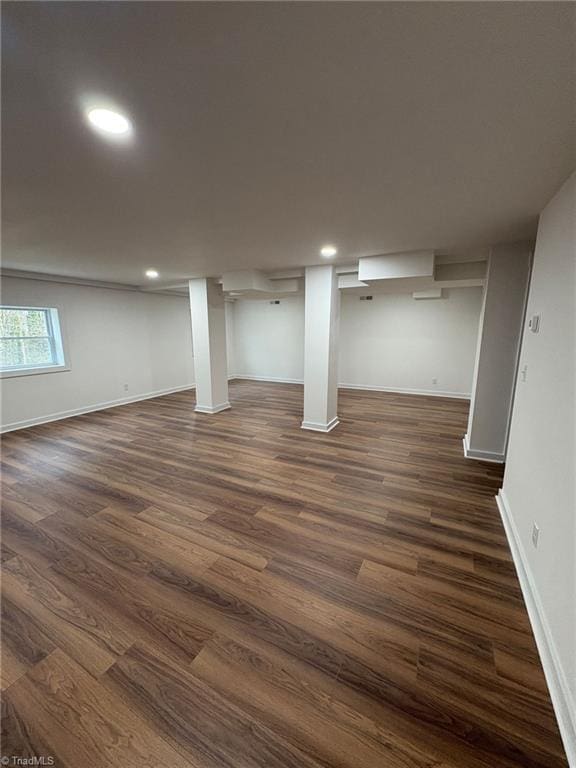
x,y
33,371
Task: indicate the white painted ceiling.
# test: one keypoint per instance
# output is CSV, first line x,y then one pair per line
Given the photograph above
x,y
263,130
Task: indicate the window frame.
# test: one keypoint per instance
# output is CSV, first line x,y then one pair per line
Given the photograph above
x,y
56,339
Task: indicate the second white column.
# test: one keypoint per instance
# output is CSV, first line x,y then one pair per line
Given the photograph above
x,y
321,325
207,311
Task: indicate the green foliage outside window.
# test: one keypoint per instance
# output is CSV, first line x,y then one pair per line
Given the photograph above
x,y
26,338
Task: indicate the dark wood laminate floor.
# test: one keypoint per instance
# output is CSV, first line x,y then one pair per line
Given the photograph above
x,y
231,591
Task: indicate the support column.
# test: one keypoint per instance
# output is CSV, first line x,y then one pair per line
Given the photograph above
x,y
207,312
499,338
321,321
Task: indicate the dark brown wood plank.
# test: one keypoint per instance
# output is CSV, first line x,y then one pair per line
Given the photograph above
x,y
80,721
199,721
232,591
87,634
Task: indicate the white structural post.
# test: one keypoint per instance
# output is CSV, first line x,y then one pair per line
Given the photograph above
x,y
207,312
321,321
499,339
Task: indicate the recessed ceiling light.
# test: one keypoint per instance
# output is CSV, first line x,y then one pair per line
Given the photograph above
x,y
109,122
151,273
328,251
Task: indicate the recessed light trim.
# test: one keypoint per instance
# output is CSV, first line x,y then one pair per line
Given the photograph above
x,y
152,274
327,251
109,122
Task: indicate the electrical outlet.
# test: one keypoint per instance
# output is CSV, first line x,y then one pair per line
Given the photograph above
x,y
434,380
125,387
535,535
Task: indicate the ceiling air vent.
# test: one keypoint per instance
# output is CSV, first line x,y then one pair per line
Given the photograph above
x,y
365,298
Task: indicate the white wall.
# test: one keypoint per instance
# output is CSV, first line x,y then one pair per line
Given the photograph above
x,y
398,342
393,341
539,482
112,338
269,339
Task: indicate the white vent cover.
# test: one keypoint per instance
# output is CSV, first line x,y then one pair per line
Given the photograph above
x,y
432,293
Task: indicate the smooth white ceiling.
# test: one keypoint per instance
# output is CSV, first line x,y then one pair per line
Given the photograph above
x,y
263,130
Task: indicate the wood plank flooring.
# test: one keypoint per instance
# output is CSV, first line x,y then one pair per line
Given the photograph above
x,y
230,591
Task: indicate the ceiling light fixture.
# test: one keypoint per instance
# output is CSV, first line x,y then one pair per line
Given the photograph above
x,y
152,273
109,122
328,251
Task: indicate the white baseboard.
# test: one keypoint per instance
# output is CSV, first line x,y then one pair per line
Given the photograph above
x,y
562,701
272,379
212,409
367,387
400,391
90,409
317,426
470,453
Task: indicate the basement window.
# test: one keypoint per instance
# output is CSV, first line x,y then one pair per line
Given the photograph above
x,y
30,341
